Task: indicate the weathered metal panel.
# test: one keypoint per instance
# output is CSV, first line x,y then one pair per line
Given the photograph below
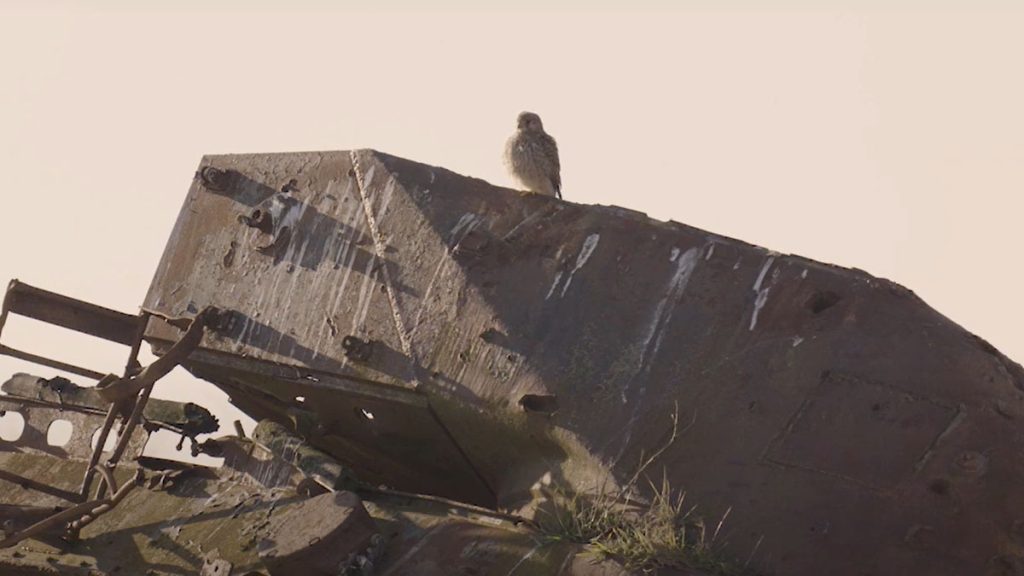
x,y
552,340
293,306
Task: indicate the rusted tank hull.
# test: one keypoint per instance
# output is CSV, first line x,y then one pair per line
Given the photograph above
x,y
250,517
496,341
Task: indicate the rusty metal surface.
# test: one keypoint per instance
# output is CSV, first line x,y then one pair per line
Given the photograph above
x,y
842,420
193,520
125,396
300,288
39,416
312,463
319,537
59,392
60,310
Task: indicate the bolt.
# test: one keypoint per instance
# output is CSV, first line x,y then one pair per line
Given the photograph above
x,y
214,178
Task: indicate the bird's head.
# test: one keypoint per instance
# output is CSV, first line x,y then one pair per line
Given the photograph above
x,y
529,122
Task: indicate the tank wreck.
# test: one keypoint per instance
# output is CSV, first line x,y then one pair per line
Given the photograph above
x,y
453,378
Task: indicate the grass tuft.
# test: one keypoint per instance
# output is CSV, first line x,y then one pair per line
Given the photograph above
x,y
642,536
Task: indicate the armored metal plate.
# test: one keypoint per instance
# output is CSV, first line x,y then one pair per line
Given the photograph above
x,y
283,243
866,432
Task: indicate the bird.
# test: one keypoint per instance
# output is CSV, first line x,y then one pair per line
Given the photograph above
x,y
531,156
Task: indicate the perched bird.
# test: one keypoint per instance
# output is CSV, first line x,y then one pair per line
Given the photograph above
x,y
532,157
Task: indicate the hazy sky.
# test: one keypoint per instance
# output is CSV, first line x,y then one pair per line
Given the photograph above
x,y
888,139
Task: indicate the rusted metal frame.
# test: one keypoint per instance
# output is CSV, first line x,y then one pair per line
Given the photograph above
x,y
31,484
90,508
147,379
129,428
349,385
58,310
4,308
78,315
75,408
108,477
140,386
115,408
133,366
97,451
12,399
50,363
13,514
130,387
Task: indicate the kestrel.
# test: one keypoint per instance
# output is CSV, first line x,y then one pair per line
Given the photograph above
x,y
532,157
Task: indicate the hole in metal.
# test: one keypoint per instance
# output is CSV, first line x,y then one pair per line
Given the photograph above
x,y
109,444
59,433
12,426
539,403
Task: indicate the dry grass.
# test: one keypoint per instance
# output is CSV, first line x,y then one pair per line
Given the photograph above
x,y
643,536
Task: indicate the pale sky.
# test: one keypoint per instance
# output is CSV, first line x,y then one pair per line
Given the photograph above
x,y
890,140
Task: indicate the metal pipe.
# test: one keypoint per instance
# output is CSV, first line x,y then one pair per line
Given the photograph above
x,y
38,486
74,512
44,361
133,366
115,408
97,451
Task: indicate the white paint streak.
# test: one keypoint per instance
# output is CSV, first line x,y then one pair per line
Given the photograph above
x,y
389,193
412,551
655,333
554,284
663,313
764,271
464,226
365,295
797,340
525,558
673,255
589,245
711,251
524,222
762,293
426,294
348,265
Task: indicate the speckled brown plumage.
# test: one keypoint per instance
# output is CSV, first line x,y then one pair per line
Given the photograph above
x,y
531,155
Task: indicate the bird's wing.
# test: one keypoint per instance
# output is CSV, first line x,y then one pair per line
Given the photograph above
x,y
554,166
